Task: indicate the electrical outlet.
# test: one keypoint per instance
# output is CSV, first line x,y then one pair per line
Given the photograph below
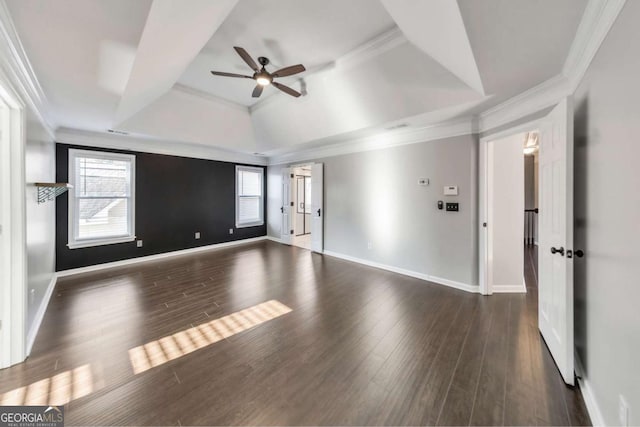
x,y
139,243
197,234
231,231
623,411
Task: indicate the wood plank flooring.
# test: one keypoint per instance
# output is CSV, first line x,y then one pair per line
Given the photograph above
x,y
360,346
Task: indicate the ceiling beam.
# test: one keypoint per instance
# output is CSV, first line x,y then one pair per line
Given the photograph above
x,y
173,35
436,27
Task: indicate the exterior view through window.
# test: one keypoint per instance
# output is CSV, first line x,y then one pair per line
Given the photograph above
x,y
101,203
249,197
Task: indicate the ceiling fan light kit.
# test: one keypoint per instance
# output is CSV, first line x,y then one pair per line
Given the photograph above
x,y
262,76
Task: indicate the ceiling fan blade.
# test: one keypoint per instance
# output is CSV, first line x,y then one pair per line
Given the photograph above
x,y
247,58
222,73
257,91
289,71
286,89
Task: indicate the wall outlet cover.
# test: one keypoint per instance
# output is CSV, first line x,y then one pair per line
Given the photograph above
x,y
139,243
197,234
231,231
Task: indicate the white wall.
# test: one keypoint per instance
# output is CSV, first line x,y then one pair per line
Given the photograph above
x,y
374,197
607,219
506,210
39,167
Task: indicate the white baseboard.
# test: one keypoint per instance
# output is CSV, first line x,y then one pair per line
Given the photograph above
x,y
410,273
275,239
138,260
508,289
37,321
587,394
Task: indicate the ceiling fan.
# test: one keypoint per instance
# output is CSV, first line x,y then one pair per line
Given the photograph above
x,y
263,77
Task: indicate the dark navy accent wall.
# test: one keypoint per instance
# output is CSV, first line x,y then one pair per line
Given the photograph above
x,y
175,197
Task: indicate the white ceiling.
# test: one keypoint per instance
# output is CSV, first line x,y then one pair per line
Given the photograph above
x,y
143,66
288,32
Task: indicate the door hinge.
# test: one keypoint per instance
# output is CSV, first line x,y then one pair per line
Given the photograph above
x,y
484,224
291,175
291,203
291,232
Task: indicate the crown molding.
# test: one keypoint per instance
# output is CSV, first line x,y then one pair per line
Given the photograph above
x,y
376,46
597,20
188,90
528,102
16,65
378,141
153,145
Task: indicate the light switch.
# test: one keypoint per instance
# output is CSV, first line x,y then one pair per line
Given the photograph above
x,y
451,190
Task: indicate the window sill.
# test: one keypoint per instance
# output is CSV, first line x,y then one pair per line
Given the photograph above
x,y
250,224
101,242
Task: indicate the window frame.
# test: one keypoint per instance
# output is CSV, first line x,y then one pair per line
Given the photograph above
x,y
74,242
237,196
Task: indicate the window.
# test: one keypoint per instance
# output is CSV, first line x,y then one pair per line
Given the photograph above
x,y
101,203
249,197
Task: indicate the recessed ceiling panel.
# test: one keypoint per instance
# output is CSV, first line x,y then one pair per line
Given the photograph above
x,y
313,33
520,43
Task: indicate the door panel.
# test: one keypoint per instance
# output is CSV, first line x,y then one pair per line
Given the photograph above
x,y
555,306
285,209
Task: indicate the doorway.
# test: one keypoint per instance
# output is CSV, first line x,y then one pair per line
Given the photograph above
x,y
506,218
303,206
531,188
552,137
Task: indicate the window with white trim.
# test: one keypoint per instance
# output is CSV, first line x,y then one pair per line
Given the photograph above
x,y
249,197
102,200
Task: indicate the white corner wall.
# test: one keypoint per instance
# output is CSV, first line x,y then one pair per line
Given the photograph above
x,y
607,222
375,211
506,212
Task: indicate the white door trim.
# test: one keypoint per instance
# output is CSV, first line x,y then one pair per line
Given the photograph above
x,y
13,271
484,266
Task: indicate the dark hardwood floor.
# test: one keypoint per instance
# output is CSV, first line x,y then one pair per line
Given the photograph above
x,y
360,346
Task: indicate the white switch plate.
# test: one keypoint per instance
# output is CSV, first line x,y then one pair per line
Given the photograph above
x,y
231,231
451,190
197,234
623,411
139,243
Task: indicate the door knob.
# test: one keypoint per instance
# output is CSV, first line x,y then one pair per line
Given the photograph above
x,y
319,212
579,253
560,250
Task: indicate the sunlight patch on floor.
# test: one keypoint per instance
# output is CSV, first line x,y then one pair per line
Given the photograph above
x,y
56,390
171,347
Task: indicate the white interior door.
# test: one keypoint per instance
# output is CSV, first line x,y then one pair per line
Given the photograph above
x,y
555,305
285,209
317,207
